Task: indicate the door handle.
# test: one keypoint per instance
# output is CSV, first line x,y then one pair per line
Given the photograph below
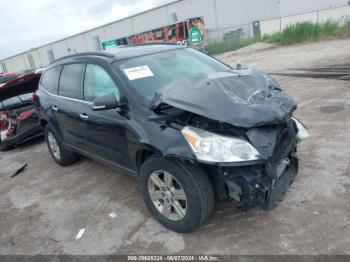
x,y
84,116
55,108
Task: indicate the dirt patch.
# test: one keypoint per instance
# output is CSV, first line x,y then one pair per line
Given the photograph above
x,y
331,109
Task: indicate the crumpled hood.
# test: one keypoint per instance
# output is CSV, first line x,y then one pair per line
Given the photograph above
x,y
243,98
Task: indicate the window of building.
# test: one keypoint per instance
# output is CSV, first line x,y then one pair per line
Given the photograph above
x,y
31,61
50,55
4,68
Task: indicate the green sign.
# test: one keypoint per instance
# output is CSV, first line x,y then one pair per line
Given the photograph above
x,y
196,36
110,44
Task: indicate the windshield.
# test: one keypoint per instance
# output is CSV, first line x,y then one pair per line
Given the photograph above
x,y
147,74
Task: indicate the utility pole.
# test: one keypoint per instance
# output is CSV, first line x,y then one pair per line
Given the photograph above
x,y
279,14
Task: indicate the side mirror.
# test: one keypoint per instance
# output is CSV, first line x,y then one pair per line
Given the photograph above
x,y
105,102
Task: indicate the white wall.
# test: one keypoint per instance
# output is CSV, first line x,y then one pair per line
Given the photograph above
x,y
195,8
90,35
237,12
42,52
19,63
149,20
59,49
9,66
77,43
339,14
292,7
120,29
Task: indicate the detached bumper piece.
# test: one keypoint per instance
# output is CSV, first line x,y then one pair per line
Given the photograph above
x,y
280,187
264,185
252,187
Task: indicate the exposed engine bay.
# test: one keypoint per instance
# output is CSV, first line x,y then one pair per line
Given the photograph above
x,y
259,183
249,110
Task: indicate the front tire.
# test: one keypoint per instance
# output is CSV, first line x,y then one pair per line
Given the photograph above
x,y
59,153
179,195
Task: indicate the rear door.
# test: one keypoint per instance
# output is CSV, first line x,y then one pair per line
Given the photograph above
x,y
67,105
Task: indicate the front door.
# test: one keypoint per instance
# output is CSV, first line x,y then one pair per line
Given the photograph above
x,y
105,131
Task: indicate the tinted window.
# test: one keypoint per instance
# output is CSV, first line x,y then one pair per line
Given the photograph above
x,y
70,81
50,79
98,83
5,79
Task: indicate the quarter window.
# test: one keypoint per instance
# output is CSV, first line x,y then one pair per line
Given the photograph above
x,y
50,79
70,81
98,83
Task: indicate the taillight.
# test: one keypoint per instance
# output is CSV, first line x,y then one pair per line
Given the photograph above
x,y
34,96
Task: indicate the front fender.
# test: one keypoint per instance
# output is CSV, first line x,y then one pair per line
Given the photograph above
x,y
163,141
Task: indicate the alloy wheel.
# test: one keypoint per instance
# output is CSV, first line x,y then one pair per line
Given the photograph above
x,y
167,195
54,146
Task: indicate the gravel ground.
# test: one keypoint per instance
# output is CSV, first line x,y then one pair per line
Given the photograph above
x,y
43,209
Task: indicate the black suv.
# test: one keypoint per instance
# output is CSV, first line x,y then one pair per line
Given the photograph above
x,y
189,127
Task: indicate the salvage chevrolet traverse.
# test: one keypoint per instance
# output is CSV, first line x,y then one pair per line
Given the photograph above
x,y
189,127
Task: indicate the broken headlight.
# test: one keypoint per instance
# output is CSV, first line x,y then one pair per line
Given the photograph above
x,y
302,131
210,147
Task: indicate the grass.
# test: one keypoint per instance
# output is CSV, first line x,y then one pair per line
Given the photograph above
x,y
293,34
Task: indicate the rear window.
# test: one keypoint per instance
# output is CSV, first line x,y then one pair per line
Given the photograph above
x,y
11,102
26,97
5,79
50,79
70,81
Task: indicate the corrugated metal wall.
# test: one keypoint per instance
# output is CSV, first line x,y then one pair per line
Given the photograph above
x,y
293,7
218,14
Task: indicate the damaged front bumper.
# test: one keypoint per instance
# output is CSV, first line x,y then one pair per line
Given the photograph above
x,y
252,185
261,183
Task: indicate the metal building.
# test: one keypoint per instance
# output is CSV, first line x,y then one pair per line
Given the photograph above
x,y
220,17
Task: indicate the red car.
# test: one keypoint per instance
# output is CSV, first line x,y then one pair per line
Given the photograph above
x,y
19,121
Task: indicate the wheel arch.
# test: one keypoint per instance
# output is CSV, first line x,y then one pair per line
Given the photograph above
x,y
43,123
144,152
148,151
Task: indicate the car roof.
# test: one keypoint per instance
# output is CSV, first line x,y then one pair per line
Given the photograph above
x,y
119,53
141,50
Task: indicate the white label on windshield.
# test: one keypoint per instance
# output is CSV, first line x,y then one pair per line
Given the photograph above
x,y
138,72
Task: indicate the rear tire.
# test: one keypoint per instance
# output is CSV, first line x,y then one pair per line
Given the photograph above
x,y
58,151
189,197
4,148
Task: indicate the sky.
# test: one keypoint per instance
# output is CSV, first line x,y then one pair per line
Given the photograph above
x,y
26,24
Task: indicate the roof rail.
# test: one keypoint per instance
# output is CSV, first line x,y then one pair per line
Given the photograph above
x,y
156,43
151,43
82,54
145,44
